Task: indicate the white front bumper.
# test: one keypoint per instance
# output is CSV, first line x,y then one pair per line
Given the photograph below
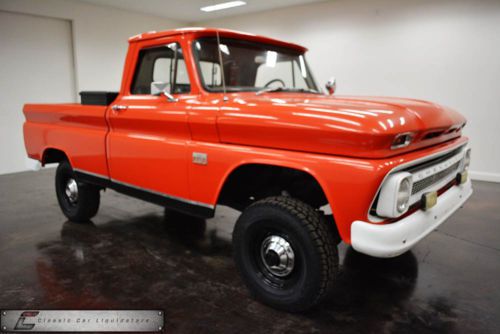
x,y
389,240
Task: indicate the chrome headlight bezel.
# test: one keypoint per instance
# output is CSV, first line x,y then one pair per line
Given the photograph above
x,y
466,163
395,194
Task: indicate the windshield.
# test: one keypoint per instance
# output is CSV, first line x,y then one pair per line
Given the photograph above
x,y
251,66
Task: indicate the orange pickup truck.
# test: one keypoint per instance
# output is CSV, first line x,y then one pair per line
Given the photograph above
x,y
208,117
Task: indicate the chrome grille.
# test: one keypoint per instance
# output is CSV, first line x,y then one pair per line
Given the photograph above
x,y
435,178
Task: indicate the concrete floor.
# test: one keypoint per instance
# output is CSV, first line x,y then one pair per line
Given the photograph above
x,y
131,257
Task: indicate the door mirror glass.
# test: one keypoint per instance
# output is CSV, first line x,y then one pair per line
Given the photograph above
x,y
163,88
158,87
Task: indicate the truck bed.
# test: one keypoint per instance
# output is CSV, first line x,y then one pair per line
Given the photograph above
x,y
76,129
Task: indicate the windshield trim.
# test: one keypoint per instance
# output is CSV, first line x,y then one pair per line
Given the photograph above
x,y
236,89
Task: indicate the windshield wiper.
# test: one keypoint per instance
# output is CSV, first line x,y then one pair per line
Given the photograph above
x,y
269,90
285,89
307,90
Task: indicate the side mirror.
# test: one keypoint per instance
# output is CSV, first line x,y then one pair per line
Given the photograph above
x,y
331,86
162,88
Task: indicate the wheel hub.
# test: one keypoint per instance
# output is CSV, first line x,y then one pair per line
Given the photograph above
x,y
72,191
277,255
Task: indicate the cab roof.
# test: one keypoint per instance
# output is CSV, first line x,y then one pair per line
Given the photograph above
x,y
199,32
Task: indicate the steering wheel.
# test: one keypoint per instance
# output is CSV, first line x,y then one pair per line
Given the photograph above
x,y
273,81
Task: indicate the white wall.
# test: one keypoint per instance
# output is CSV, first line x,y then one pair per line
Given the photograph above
x,y
30,43
446,51
98,37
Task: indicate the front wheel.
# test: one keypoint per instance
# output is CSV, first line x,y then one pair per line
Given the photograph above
x,y
78,201
285,253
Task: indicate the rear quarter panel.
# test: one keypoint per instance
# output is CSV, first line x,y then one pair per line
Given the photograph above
x,y
77,130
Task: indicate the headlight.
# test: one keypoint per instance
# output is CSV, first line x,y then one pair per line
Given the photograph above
x,y
467,159
402,140
394,198
403,196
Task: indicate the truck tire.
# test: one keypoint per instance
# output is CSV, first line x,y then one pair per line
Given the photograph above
x,y
285,253
78,201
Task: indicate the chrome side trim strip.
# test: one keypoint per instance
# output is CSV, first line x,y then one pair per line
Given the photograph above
x,y
172,197
181,199
91,173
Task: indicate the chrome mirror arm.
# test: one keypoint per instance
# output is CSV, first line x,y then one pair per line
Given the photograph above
x,y
170,97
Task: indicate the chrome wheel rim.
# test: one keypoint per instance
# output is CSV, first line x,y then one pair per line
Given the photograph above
x,y
71,191
277,255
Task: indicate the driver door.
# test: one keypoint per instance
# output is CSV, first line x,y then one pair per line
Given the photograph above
x,y
147,152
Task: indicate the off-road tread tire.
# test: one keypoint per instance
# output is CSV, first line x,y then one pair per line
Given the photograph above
x,y
324,241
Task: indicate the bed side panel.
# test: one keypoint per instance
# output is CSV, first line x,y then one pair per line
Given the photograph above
x,y
77,130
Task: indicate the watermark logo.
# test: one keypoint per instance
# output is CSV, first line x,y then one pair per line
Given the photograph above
x,y
82,321
21,325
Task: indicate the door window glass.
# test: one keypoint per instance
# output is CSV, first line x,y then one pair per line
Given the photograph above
x,y
163,64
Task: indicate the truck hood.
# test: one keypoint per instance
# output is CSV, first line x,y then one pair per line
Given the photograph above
x,y
339,125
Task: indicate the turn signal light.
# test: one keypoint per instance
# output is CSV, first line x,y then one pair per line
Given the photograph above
x,y
462,177
429,200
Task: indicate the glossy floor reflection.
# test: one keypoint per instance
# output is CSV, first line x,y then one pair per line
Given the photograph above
x,y
132,256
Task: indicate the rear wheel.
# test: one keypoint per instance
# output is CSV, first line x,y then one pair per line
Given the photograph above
x,y
285,253
78,201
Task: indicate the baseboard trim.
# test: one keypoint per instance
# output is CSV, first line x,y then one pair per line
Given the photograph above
x,y
485,176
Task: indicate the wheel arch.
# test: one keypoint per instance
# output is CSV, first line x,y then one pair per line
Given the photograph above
x,y
279,172
54,155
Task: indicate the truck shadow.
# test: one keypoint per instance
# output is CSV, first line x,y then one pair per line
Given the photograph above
x,y
186,268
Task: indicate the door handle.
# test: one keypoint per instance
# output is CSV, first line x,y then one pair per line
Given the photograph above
x,y
118,108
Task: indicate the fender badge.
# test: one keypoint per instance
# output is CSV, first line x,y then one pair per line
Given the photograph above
x,y
200,158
